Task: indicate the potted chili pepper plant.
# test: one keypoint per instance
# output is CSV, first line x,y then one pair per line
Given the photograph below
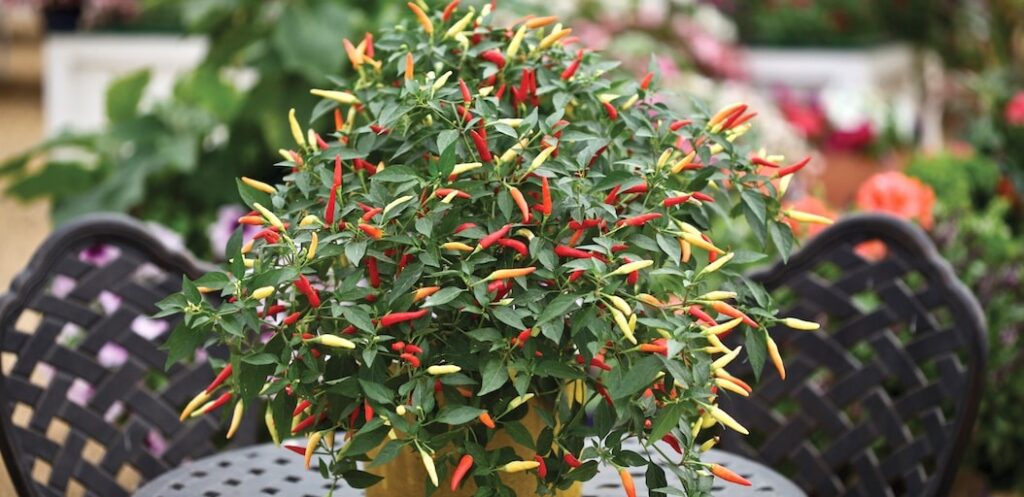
x,y
493,268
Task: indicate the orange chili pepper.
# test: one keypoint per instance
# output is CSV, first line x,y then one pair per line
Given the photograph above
x,y
487,421
520,201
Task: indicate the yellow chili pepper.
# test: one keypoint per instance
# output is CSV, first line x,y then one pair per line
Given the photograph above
x,y
334,341
539,160
269,216
440,81
730,386
724,361
518,401
313,242
342,97
309,220
773,353
311,445
623,324
459,25
620,304
262,292
395,203
504,274
709,444
268,419
650,300
553,38
517,40
631,266
194,404
717,295
718,329
540,22
465,167
806,217
236,418
663,159
428,27
686,161
459,246
701,243
443,370
259,185
715,266
727,420
800,324
520,466
428,462
686,250
296,129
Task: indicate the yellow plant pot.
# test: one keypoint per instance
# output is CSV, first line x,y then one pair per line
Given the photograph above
x,y
404,476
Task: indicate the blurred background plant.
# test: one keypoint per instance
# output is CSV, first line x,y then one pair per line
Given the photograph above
x,y
176,162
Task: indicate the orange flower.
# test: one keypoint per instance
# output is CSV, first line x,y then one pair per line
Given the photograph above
x,y
812,205
900,195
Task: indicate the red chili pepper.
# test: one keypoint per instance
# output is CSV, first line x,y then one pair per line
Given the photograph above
x,y
613,113
378,129
545,195
358,164
613,195
728,310
368,38
572,253
411,359
464,226
493,238
703,197
223,399
516,245
373,272
302,284
332,198
523,336
301,406
501,92
305,423
641,188
412,349
449,9
272,310
679,124
460,471
570,71
481,146
464,113
763,162
587,224
371,231
619,247
224,374
368,215
367,411
401,317
251,220
320,143
640,220
701,316
296,449
673,442
793,168
542,470
728,475
576,275
571,461
517,197
671,201
494,57
598,362
646,82
466,96
596,156
291,318
339,121
398,346
444,192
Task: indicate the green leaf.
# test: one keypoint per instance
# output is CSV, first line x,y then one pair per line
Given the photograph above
x,y
508,316
655,479
782,237
445,139
360,479
260,359
443,296
495,375
56,179
638,376
123,95
457,415
666,420
557,308
376,391
354,252
757,350
182,343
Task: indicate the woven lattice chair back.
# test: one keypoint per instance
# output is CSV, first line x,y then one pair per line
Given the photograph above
x,y
88,408
879,402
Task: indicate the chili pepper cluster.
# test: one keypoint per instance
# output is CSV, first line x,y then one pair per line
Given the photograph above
x,y
484,225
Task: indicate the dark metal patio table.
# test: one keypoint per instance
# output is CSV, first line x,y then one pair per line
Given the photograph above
x,y
266,470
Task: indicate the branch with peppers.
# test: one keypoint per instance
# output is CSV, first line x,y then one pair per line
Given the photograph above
x,y
487,228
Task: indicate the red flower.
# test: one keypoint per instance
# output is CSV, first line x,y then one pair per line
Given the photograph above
x,y
900,195
1014,111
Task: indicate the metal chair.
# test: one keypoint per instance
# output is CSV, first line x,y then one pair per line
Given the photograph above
x,y
881,401
86,405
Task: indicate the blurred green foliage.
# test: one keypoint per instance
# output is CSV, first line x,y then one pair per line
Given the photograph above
x,y
176,163
975,233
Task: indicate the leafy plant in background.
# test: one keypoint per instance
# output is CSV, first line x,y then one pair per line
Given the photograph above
x,y
176,163
494,228
975,235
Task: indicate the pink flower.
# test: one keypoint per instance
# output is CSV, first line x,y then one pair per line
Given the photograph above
x,y
1014,112
855,139
900,195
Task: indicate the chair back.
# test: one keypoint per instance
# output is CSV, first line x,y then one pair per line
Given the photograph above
x,y
880,401
87,406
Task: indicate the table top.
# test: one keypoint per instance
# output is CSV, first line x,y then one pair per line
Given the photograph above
x,y
270,470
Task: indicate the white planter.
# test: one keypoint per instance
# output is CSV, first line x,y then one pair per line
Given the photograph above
x,y
78,68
